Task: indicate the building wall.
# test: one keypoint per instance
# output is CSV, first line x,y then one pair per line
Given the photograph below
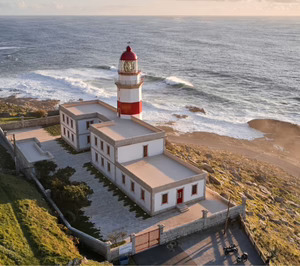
x,y
110,156
172,195
103,168
135,151
68,129
136,195
83,132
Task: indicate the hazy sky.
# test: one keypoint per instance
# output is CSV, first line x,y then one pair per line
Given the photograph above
x,y
151,7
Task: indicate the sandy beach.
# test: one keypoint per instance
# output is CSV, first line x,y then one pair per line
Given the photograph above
x,y
280,145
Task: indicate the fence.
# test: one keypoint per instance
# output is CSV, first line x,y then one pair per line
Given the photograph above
x,y
44,121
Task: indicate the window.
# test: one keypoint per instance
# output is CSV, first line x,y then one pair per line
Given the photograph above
x,y
194,189
142,194
96,141
102,162
88,123
64,131
88,139
67,120
108,150
132,186
101,144
96,156
146,151
72,137
71,123
68,134
63,116
164,198
108,166
123,179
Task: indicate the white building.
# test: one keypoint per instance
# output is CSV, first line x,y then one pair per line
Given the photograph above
x,y
129,151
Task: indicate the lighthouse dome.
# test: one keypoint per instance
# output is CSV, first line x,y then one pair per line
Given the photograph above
x,y
128,55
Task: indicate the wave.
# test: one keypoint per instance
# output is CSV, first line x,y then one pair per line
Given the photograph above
x,y
9,47
104,67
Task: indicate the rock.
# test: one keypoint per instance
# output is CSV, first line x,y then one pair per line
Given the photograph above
x,y
279,199
233,182
261,217
208,156
207,168
260,178
248,183
214,180
262,196
284,221
270,213
264,190
293,204
224,195
275,221
296,223
195,109
236,176
249,213
262,224
180,116
249,196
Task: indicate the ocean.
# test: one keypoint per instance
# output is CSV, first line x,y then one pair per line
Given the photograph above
x,y
237,69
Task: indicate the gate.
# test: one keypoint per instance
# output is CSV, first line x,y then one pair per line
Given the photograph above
x,y
147,240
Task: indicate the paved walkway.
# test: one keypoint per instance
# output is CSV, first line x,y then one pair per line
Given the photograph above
x,y
106,212
204,248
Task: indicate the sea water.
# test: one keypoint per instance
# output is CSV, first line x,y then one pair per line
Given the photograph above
x,y
237,69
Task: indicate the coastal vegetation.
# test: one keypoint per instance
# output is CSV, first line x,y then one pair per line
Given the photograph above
x,y
69,196
53,130
273,197
29,234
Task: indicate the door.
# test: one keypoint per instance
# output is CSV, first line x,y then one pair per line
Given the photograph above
x,y
179,196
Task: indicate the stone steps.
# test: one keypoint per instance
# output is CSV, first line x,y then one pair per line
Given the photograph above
x,y
182,207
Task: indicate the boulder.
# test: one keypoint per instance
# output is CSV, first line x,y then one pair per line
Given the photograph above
x,y
264,190
207,168
208,156
293,204
261,217
249,196
236,176
180,116
284,221
249,213
260,178
262,223
214,180
276,221
279,199
195,109
296,223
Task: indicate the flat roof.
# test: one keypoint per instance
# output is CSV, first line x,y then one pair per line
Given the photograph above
x,y
159,170
124,129
83,108
32,152
121,129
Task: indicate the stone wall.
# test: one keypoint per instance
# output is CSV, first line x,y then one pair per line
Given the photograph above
x,y
201,224
44,121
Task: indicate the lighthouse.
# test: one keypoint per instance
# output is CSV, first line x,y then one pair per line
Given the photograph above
x,y
129,84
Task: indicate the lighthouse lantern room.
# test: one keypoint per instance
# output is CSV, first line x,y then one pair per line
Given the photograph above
x,y
129,84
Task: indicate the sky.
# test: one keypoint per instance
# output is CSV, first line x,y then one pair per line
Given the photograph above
x,y
152,7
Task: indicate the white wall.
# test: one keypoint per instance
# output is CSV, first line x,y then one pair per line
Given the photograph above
x,y
172,195
136,151
83,141
82,125
137,190
103,152
130,95
104,168
65,136
68,125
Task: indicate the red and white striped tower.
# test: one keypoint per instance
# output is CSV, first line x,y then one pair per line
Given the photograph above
x,y
129,85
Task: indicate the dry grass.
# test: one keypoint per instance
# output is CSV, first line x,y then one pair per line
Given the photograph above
x,y
239,175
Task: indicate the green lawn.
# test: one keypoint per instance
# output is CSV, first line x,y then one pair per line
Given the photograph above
x,y
7,120
54,130
29,234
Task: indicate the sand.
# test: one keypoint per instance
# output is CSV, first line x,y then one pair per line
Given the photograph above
x,y
280,146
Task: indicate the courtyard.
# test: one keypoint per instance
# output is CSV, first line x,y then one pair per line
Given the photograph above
x,y
107,212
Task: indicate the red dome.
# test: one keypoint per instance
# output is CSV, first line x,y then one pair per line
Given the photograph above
x,y
128,55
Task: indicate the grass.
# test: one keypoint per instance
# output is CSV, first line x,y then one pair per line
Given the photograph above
x,y
5,159
7,120
53,130
29,234
281,240
133,207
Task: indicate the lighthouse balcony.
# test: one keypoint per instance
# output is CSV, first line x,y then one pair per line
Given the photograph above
x,y
129,84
